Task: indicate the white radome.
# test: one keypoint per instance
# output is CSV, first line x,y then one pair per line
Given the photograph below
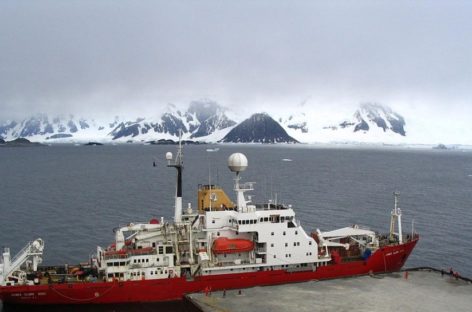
x,y
237,162
169,156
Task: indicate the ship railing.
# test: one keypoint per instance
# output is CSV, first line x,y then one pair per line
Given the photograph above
x,y
384,239
232,264
271,206
247,186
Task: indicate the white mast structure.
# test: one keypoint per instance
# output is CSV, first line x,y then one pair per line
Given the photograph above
x,y
237,162
179,165
396,217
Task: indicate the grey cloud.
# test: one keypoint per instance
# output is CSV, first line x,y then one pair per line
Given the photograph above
x,y
110,55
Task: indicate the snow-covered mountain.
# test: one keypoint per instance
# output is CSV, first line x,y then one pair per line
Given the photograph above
x,y
201,119
207,121
372,115
259,128
42,128
369,123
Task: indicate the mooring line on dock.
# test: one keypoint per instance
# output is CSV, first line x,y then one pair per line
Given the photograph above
x,y
442,271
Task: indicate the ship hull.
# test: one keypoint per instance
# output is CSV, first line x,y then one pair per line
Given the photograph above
x,y
387,259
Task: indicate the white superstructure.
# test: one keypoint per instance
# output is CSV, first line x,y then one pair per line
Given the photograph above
x,y
244,238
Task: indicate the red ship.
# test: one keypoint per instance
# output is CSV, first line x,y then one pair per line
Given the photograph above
x,y
221,245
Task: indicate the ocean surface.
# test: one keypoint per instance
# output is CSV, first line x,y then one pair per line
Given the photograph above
x,y
73,196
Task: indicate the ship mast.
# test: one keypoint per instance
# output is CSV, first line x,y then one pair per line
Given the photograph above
x,y
179,165
396,217
237,163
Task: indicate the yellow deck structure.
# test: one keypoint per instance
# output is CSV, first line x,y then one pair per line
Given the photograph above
x,y
213,198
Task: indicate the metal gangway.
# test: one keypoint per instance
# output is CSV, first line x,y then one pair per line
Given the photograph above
x,y
28,258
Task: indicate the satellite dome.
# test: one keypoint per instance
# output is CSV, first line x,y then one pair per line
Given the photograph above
x,y
169,156
237,162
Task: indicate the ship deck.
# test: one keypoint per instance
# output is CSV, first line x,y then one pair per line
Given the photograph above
x,y
422,290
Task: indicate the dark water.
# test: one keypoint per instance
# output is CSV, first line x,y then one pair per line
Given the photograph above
x,y
73,196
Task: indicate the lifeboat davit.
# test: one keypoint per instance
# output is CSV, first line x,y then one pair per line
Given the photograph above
x,y
224,245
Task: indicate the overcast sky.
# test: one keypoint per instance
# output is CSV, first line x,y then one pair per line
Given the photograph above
x,y
137,56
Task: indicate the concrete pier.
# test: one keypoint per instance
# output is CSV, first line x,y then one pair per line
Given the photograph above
x,y
412,291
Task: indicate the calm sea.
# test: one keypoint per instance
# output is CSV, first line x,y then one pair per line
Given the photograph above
x,y
73,196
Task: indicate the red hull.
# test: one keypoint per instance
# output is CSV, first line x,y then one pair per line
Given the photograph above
x,y
387,259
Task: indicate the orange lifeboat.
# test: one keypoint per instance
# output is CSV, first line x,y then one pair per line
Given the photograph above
x,y
224,245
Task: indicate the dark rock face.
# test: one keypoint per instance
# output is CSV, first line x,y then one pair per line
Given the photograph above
x,y
83,124
2,141
397,125
299,126
93,144
172,142
211,124
20,142
31,127
361,126
72,126
125,130
59,136
259,128
171,124
346,124
440,147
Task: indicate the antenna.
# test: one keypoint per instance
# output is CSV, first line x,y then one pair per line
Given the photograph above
x,y
210,150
